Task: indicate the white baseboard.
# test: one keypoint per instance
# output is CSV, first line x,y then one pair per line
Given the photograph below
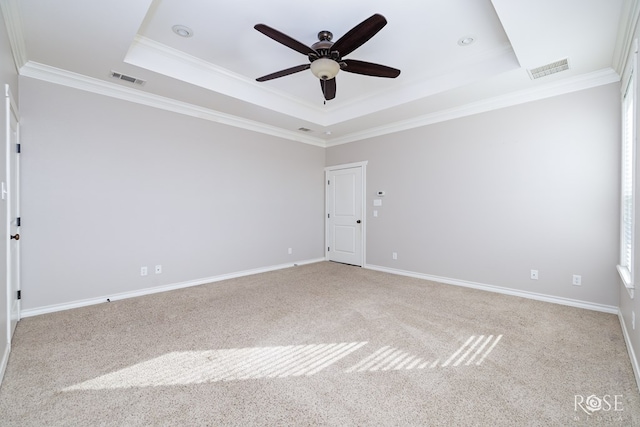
x,y
148,291
507,291
4,361
632,354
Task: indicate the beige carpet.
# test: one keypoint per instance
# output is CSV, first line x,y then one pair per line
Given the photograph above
x,y
322,344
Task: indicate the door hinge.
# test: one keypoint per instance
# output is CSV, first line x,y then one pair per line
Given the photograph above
x,y
18,148
18,221
328,249
328,215
328,182
19,294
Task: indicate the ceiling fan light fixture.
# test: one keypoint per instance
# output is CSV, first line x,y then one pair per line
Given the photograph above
x,y
325,68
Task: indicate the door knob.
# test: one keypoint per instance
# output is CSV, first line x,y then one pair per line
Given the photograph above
x,y
358,221
16,236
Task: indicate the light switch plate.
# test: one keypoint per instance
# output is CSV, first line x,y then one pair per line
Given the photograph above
x,y
377,202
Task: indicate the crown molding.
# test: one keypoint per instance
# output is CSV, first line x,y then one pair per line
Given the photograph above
x,y
77,81
157,57
11,15
628,23
442,78
585,81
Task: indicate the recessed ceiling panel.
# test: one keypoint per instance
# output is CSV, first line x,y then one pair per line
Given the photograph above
x,y
224,53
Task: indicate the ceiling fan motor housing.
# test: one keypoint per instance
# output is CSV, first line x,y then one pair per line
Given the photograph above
x,y
325,65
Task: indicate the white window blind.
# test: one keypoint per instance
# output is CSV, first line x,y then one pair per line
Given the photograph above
x,y
628,179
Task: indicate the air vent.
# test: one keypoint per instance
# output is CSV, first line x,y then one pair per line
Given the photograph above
x,y
126,78
304,129
547,70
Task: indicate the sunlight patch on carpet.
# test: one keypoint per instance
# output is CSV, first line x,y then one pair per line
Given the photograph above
x,y
209,366
386,358
198,367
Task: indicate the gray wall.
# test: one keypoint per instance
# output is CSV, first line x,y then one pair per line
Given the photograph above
x,y
8,72
489,197
110,186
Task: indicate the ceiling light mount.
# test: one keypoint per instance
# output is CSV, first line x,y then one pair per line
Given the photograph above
x,y
182,30
466,41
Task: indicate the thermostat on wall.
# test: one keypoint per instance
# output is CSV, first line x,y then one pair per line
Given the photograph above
x,y
380,193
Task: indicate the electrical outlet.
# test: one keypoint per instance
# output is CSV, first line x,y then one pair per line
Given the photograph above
x,y
534,274
394,255
290,251
577,280
143,271
158,269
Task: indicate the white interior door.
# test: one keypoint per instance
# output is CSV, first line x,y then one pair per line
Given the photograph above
x,y
345,214
9,308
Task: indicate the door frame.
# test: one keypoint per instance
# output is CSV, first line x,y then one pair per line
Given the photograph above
x,y
12,198
13,212
327,170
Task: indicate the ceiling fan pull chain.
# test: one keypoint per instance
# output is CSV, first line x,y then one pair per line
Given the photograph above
x,y
324,86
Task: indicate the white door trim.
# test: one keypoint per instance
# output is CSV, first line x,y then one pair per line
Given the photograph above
x,y
329,169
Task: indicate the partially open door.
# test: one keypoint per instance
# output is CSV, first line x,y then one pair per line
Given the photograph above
x,y
10,250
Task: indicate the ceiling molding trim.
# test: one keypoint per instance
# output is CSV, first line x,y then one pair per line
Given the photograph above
x,y
496,62
77,81
455,75
12,20
162,59
628,22
582,82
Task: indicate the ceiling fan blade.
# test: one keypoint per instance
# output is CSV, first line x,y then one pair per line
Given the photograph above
x,y
285,39
369,69
283,73
328,88
359,34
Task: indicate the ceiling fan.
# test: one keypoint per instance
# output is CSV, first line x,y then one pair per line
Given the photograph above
x,y
327,58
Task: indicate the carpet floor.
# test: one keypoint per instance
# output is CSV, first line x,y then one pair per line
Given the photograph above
x,y
320,344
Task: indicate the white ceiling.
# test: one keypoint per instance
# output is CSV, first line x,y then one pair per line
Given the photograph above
x,y
212,74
